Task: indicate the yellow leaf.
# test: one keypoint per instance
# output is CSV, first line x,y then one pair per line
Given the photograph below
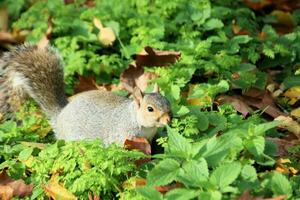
x,y
57,192
35,144
296,112
97,23
293,94
106,36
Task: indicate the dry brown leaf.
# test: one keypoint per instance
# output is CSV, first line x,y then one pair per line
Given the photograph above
x,y
94,197
135,76
44,41
85,84
283,18
17,187
141,144
166,188
247,196
133,183
237,102
289,124
263,100
56,191
151,57
138,143
6,37
6,192
256,5
283,145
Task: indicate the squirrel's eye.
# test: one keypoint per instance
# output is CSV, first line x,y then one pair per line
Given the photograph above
x,y
150,109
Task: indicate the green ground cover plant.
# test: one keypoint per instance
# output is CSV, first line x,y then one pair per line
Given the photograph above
x,y
239,63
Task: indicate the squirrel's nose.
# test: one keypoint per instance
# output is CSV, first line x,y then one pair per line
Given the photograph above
x,y
165,119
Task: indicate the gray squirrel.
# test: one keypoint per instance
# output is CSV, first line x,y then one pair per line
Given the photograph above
x,y
89,115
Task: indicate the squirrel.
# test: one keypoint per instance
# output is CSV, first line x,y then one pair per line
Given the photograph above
x,y
89,115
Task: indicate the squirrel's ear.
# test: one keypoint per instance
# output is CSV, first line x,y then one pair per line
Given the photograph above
x,y
137,95
156,88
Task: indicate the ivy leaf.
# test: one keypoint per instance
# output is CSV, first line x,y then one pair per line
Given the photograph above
x,y
164,172
224,175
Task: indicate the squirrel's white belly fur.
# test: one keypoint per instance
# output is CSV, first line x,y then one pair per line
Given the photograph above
x,y
101,120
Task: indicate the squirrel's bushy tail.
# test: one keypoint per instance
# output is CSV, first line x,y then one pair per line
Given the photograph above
x,y
38,72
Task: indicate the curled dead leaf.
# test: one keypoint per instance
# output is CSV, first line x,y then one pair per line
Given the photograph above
x,y
141,144
152,57
237,102
289,124
13,188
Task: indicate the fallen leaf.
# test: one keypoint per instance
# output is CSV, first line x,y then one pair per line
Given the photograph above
x,y
138,143
263,100
94,197
141,144
283,18
281,166
133,183
56,191
44,41
293,94
151,57
6,37
296,112
6,192
106,35
17,187
166,188
289,124
237,103
283,145
35,145
247,196
256,5
85,84
135,76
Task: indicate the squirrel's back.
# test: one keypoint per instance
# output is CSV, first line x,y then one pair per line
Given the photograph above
x,y
98,114
38,72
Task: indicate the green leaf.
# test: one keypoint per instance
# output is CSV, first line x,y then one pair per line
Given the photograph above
x,y
177,144
217,148
256,146
181,194
175,91
249,173
241,39
194,173
262,128
280,185
25,154
291,81
243,67
149,193
211,195
213,24
164,172
224,175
